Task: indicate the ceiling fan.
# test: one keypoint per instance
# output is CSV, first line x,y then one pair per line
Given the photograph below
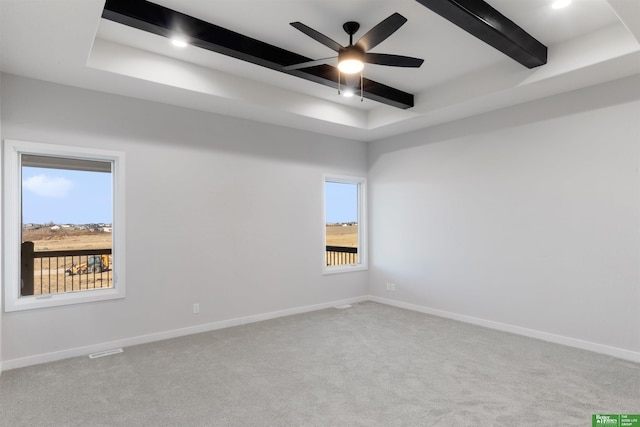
x,y
351,58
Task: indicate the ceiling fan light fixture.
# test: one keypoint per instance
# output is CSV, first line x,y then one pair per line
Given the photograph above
x,y
351,60
350,66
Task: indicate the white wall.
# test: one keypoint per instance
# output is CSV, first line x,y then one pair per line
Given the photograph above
x,y
529,217
525,219
222,212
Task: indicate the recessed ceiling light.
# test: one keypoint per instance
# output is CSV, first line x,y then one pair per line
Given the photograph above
x,y
559,4
178,43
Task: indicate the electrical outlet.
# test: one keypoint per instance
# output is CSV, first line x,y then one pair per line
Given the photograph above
x,y
196,308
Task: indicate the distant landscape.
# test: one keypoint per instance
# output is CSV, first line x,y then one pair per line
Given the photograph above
x,y
75,237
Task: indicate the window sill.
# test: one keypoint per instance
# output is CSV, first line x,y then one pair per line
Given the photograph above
x,y
60,299
344,268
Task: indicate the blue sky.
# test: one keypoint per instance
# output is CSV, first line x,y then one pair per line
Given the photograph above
x,y
65,196
342,202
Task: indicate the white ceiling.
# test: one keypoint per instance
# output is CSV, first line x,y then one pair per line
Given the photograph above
x,y
66,41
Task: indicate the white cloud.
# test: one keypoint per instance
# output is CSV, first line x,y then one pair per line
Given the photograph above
x,y
48,186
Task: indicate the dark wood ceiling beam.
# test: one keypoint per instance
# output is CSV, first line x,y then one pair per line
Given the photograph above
x,y
165,22
483,21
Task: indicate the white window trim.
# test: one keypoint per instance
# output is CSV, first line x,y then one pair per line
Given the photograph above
x,y
13,301
363,258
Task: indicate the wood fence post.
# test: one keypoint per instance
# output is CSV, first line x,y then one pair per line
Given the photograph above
x,y
26,268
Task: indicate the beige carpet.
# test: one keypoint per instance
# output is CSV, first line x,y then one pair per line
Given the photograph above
x,y
370,365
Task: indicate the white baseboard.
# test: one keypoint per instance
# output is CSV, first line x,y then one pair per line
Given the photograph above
x,y
532,333
143,339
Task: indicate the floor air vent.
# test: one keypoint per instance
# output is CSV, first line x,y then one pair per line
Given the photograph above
x,y
105,353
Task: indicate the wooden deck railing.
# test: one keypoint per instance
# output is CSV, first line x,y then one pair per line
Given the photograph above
x,y
341,255
46,272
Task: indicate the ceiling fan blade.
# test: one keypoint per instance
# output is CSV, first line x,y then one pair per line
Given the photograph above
x,y
392,60
380,32
309,63
319,37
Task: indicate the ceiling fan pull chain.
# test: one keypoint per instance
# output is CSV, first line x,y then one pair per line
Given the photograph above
x,y
361,88
338,81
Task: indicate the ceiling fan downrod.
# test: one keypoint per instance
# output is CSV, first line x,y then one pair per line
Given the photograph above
x,y
351,28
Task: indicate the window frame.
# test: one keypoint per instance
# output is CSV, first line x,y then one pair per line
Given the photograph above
x,y
363,260
12,199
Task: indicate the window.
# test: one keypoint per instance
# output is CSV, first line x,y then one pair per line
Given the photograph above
x,y
64,225
345,224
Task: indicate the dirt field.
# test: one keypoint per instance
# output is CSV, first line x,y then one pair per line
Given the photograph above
x,y
49,273
47,240
337,235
